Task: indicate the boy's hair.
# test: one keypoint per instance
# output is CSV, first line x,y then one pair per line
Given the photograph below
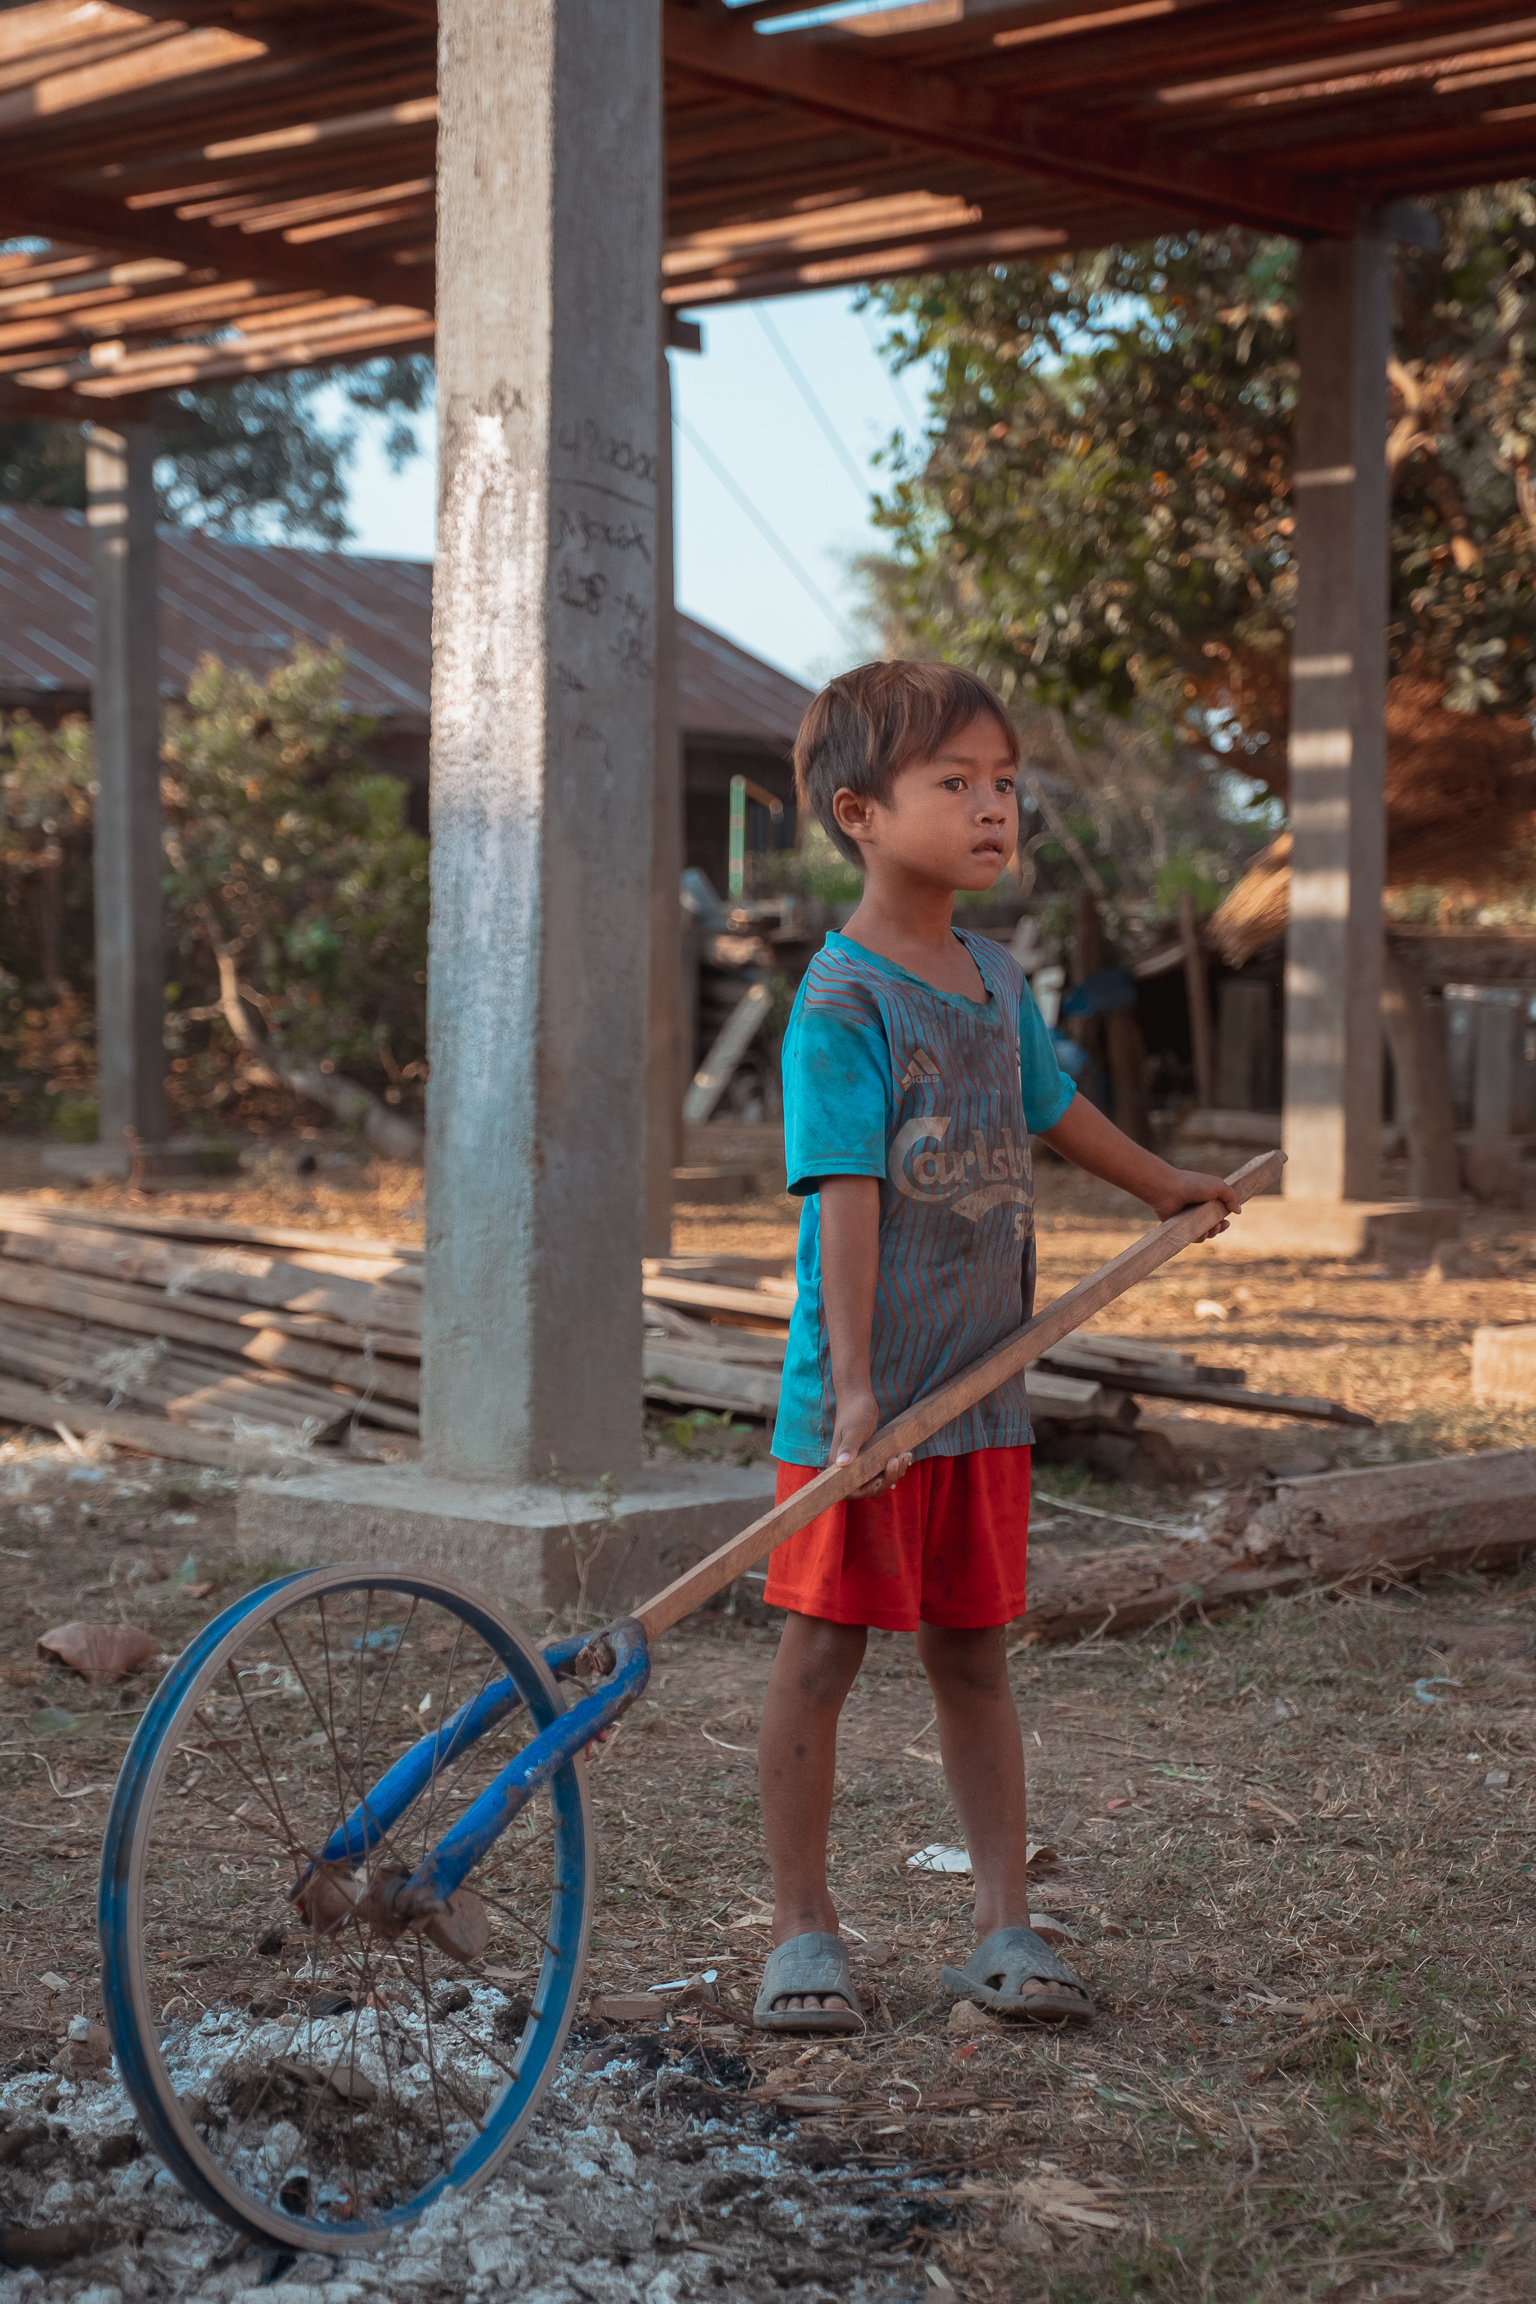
x,y
869,724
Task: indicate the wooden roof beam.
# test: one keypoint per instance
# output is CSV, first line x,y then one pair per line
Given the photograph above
x,y
336,78
939,113
27,205
225,363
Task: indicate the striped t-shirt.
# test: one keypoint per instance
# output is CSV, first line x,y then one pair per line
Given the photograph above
x,y
936,1095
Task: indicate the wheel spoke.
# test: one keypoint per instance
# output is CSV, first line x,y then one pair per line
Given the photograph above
x,y
337,2066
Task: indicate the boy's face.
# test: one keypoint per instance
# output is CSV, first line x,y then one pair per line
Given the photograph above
x,y
952,820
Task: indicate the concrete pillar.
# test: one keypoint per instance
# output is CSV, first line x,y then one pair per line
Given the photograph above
x,y
669,1061
125,709
1333,1072
1498,1029
543,733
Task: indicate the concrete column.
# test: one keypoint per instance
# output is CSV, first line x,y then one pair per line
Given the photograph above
x,y
1332,1127
1497,1030
543,733
125,709
669,1061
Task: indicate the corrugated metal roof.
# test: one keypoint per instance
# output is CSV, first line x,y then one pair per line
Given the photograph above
x,y
246,602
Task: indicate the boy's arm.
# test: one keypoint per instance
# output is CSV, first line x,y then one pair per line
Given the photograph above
x,y
1083,1136
850,1267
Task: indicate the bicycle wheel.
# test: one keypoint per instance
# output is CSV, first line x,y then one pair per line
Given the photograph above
x,y
311,2069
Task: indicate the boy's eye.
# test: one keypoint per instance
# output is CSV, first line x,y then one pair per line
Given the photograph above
x,y
954,783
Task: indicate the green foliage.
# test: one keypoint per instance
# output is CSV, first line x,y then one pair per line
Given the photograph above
x,y
1184,873
77,1120
263,465
283,847
814,870
45,818
1102,511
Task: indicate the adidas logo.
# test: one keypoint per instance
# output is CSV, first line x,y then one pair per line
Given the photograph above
x,y
922,1067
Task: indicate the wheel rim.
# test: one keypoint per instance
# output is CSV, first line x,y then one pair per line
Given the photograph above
x,y
313,2074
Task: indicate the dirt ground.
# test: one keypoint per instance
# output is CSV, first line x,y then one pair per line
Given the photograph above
x,y
1292,1858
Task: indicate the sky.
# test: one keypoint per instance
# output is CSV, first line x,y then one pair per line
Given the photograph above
x,y
744,428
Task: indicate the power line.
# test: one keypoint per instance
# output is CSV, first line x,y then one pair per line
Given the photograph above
x,y
898,389
776,542
802,385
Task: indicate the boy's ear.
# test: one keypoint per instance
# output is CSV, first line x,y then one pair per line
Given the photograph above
x,y
854,812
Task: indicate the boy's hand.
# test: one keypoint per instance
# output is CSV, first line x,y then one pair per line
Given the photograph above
x,y
1186,1188
857,1420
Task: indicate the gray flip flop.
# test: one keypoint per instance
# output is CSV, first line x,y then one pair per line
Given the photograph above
x,y
1007,1960
811,1963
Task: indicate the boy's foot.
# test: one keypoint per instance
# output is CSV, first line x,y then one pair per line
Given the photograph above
x,y
1014,1972
807,1988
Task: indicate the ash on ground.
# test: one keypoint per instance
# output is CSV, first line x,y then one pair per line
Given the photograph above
x,y
642,2181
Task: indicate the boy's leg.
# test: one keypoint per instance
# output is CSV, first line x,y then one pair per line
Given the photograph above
x,y
816,1665
983,1750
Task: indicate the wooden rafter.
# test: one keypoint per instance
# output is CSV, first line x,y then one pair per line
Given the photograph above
x,y
232,187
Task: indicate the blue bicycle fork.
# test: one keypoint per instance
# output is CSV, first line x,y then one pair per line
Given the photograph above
x,y
482,1823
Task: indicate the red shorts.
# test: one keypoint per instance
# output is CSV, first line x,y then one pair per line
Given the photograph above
x,y
945,1546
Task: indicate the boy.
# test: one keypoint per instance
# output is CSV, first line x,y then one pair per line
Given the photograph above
x,y
916,1065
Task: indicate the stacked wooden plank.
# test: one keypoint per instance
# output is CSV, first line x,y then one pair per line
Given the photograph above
x,y
219,1334
716,1331
255,1335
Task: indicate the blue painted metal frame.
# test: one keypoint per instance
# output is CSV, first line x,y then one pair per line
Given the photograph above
x,y
380,1810
483,1822
544,1762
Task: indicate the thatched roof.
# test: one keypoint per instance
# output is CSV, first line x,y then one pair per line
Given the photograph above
x,y
1461,815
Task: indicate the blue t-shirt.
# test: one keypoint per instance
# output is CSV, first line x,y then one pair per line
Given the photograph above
x,y
936,1095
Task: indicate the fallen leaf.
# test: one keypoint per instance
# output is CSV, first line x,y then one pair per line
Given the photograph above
x,y
1051,1931
1061,2201
98,1651
1112,1806
961,2054
798,2100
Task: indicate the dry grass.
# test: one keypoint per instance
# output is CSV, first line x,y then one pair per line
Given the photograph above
x,y
1312,2071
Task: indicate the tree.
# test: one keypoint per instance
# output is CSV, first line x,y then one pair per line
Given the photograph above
x,y
1101,510
296,901
263,466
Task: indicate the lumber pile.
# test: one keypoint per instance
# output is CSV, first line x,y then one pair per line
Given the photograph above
x,y
715,1328
220,1335
1383,1523
229,1333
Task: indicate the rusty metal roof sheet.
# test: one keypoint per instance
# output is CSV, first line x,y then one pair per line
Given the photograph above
x,y
247,603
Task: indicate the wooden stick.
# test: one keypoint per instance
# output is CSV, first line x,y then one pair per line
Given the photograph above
x,y
920,1422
